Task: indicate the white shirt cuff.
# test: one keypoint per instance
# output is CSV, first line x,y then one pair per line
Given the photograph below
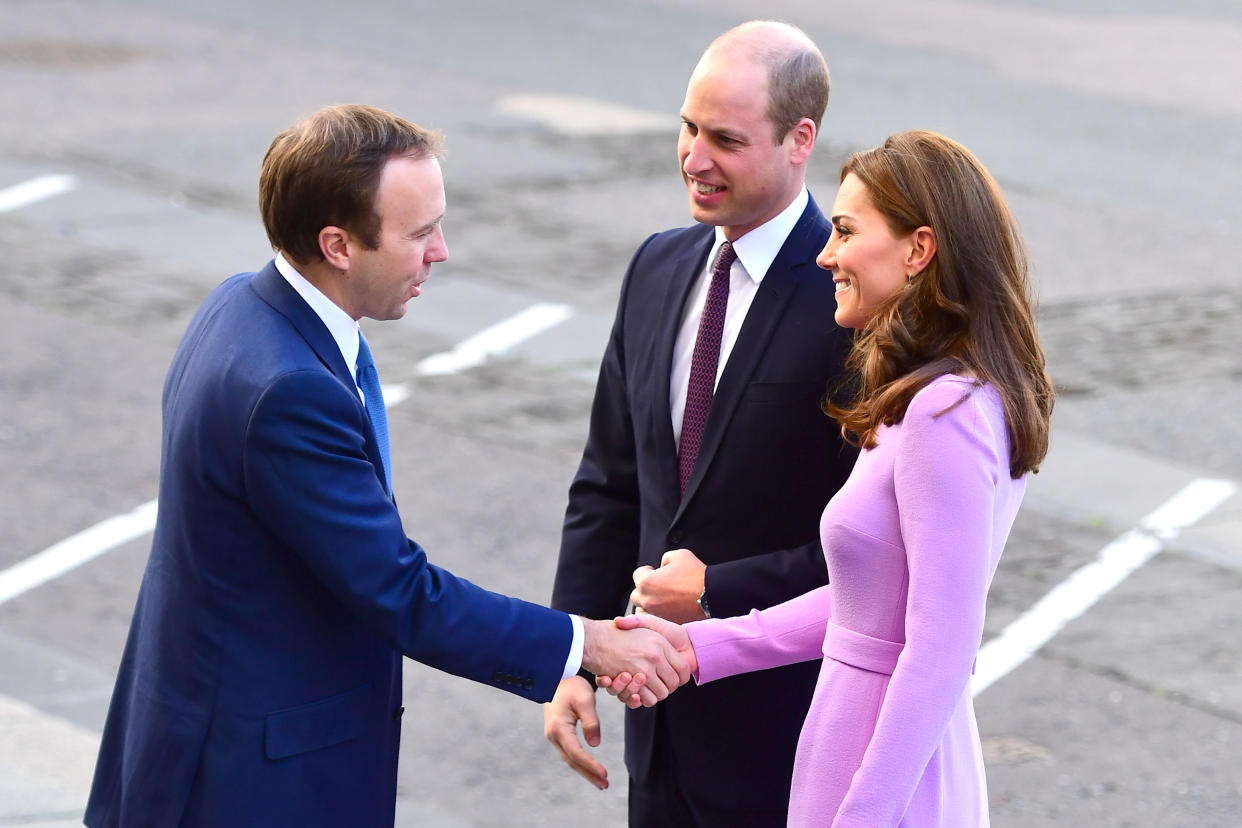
x,y
574,662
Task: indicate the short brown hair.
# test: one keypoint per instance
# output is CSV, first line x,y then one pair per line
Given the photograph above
x,y
325,169
797,73
969,309
797,88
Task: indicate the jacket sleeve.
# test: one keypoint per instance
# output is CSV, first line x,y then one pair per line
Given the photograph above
x,y
309,481
736,587
784,634
947,471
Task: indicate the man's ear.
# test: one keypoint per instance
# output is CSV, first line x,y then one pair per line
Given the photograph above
x,y
802,140
922,248
334,247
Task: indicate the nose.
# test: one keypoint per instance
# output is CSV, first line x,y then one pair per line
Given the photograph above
x,y
697,160
827,258
437,250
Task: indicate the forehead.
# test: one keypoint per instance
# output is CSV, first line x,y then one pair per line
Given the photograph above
x,y
410,190
727,90
853,199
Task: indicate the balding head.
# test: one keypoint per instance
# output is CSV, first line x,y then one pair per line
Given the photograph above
x,y
797,74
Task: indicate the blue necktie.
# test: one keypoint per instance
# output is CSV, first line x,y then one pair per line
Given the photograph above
x,y
368,381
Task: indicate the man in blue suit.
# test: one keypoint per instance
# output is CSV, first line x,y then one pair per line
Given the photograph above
x,y
704,496
261,682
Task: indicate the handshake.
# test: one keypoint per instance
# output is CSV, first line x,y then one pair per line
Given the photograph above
x,y
640,659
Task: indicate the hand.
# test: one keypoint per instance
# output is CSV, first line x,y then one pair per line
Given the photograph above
x,y
610,649
573,702
673,590
629,688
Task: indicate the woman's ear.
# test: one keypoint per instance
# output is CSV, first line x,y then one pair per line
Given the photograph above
x,y
922,248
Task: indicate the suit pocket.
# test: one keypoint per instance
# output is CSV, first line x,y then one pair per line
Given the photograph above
x,y
811,391
316,725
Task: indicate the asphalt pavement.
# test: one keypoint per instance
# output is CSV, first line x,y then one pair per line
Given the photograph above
x,y
1113,128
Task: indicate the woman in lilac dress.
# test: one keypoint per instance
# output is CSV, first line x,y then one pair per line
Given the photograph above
x,y
951,410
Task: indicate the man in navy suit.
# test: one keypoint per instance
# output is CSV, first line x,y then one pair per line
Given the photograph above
x,y
768,459
261,682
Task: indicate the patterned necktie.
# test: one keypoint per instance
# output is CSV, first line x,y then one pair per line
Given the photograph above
x,y
702,384
368,381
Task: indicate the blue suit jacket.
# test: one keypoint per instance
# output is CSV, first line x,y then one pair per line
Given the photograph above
x,y
769,461
261,682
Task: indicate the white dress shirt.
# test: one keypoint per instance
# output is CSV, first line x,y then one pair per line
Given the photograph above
x,y
345,333
755,253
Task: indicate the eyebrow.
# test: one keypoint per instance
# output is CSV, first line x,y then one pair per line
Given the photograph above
x,y
428,225
840,216
725,132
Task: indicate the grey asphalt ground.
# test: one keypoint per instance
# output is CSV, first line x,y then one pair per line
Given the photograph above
x,y
1114,128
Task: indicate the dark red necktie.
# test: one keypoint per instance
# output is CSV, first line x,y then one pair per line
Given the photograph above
x,y
703,364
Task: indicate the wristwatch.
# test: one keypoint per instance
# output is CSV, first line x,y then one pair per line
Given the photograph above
x,y
702,602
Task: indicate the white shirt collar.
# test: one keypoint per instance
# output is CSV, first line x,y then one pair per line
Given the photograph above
x,y
758,248
340,324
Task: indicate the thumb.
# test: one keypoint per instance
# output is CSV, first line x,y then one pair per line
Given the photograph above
x,y
645,619
628,622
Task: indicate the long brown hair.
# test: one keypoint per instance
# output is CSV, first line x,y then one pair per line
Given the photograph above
x,y
968,311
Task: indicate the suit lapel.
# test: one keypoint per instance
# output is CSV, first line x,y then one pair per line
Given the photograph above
x,y
778,288
278,293
273,289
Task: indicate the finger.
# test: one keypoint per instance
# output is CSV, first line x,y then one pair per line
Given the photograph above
x,y
616,686
590,731
666,558
603,682
647,699
565,737
636,599
627,622
642,572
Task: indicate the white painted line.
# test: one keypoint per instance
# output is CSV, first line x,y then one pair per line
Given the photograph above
x,y
36,189
581,116
75,551
1081,590
495,340
394,395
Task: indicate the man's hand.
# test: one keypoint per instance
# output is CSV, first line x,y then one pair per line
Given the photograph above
x,y
629,688
610,650
673,590
573,702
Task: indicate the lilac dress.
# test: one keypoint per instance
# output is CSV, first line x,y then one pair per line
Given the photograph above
x,y
912,541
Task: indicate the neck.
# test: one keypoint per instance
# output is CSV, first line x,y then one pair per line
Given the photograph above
x,y
327,280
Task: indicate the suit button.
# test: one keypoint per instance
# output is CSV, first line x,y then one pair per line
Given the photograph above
x,y
529,684
675,537
398,713
497,677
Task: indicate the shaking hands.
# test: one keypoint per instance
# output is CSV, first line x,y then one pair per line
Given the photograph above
x,y
636,689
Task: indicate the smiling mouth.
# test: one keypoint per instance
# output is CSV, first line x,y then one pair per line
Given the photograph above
x,y
706,189
841,285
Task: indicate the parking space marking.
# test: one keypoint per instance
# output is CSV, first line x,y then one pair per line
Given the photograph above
x,y
495,340
36,189
1087,585
74,551
580,116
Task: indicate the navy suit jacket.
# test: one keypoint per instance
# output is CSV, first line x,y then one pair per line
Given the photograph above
x,y
769,461
261,681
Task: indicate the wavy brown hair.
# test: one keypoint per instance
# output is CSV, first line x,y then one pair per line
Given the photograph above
x,y
967,312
